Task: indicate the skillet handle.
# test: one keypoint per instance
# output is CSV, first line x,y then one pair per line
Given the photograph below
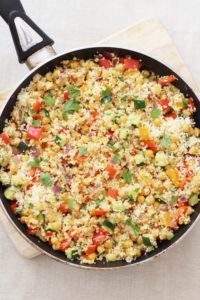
x,y
27,36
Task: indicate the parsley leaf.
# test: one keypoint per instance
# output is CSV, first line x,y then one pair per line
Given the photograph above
x,y
155,113
46,179
36,123
121,78
146,241
185,102
65,115
57,140
70,203
72,106
135,227
34,163
74,91
81,152
106,96
127,176
50,101
116,157
165,142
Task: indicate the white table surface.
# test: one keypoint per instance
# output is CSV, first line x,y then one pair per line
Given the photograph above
x,y
176,274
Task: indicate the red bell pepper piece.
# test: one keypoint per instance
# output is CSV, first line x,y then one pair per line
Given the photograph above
x,y
32,230
37,105
164,103
99,237
130,63
64,245
34,133
63,208
5,138
104,62
91,249
98,212
171,115
48,233
111,171
13,207
113,193
191,104
165,80
66,95
150,144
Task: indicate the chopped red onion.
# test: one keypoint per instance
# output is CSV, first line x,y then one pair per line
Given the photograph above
x,y
67,148
56,189
91,134
111,160
35,152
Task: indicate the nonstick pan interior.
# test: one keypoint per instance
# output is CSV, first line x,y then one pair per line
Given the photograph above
x,y
147,63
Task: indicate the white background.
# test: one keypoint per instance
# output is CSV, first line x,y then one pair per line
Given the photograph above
x,y
176,274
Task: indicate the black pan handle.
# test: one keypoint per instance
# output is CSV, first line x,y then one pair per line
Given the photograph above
x,y
27,36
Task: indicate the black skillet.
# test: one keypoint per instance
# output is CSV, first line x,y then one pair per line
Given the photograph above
x,y
33,46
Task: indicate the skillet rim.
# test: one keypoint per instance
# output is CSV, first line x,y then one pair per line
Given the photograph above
x,y
38,244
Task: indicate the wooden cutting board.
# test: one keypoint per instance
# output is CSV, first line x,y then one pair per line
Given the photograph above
x,y
148,36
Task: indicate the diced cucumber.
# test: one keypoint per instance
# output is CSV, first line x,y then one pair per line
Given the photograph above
x,y
146,241
116,239
10,193
194,199
61,140
139,104
111,257
108,226
118,206
135,192
72,253
123,133
134,119
139,159
170,236
161,159
17,180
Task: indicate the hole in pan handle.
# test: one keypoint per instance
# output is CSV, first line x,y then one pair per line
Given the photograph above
x,y
28,38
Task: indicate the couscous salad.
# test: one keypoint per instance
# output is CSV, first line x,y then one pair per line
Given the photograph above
x,y
100,158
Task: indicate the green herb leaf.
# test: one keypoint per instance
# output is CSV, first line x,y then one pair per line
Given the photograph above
x,y
18,210
139,103
116,157
127,176
74,91
98,201
121,78
155,113
165,142
49,100
124,98
111,144
70,203
106,96
134,226
65,115
185,102
81,152
46,179
71,106
25,116
34,163
57,140
146,241
36,123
